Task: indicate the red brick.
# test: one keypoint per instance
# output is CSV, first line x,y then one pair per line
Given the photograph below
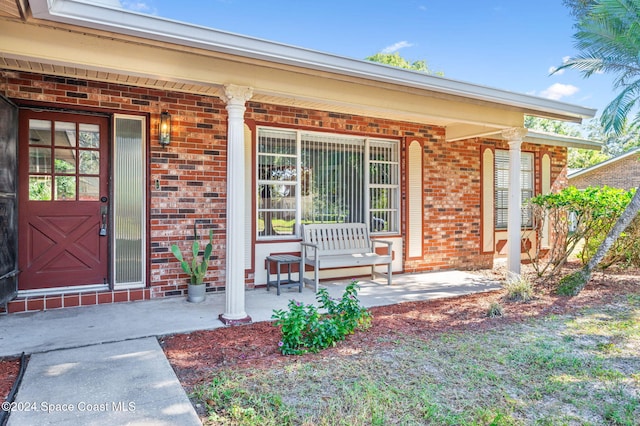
x,y
71,300
53,302
137,294
120,296
16,306
105,297
36,304
88,299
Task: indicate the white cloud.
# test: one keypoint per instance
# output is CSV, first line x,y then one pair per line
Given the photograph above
x,y
558,91
138,6
396,46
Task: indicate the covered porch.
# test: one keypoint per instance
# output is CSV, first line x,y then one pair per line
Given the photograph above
x,y
229,95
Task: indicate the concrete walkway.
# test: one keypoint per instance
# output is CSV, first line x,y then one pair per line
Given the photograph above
x,y
128,382
105,363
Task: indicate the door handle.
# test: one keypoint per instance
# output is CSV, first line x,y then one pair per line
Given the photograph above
x,y
103,226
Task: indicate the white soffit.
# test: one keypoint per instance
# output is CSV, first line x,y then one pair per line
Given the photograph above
x,y
101,15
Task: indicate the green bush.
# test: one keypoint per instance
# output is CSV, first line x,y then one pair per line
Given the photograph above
x,y
305,329
579,220
569,285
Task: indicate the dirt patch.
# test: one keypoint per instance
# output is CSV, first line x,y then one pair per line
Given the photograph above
x,y
193,356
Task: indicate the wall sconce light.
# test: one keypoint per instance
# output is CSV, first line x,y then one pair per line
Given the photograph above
x,y
165,129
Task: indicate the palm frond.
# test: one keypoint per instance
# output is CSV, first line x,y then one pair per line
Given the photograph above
x,y
615,114
608,39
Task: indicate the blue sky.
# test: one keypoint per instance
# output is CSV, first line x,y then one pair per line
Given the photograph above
x,y
506,44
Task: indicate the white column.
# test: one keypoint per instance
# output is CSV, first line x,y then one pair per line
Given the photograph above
x,y
514,217
235,97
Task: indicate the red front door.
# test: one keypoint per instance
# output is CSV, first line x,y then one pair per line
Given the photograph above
x,y
63,200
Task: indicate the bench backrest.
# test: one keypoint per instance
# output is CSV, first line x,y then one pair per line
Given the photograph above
x,y
338,238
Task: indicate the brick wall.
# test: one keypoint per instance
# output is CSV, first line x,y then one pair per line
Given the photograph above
x,y
187,179
451,173
624,174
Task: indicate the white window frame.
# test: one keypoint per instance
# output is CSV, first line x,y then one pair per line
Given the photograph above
x,y
393,210
501,186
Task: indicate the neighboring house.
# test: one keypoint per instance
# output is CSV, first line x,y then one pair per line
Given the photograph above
x,y
263,137
621,172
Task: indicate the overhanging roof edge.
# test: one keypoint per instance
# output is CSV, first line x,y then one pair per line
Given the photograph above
x,y
562,140
104,17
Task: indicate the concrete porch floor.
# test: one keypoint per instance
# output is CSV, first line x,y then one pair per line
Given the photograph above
x,y
83,326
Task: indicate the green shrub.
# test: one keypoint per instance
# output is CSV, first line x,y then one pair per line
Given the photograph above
x,y
305,329
569,285
578,221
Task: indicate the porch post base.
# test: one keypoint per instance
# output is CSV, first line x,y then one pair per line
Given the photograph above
x,y
234,321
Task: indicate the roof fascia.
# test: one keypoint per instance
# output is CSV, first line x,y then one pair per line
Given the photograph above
x,y
104,17
553,139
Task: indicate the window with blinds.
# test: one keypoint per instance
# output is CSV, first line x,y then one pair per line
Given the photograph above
x,y
502,188
307,177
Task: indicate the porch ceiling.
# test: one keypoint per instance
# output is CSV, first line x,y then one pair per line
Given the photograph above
x,y
214,89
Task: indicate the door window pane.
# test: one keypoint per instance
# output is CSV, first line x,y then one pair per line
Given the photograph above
x,y
65,134
89,188
39,132
65,161
39,188
39,160
89,162
89,136
65,188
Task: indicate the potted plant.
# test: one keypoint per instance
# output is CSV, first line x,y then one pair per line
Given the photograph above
x,y
196,270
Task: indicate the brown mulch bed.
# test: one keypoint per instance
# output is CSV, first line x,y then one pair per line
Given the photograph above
x,y
193,356
9,369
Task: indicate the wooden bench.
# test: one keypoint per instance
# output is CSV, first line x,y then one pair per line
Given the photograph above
x,y
339,245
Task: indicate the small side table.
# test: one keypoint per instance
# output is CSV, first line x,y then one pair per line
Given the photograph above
x,y
283,259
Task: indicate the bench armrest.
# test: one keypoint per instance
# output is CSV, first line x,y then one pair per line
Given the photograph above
x,y
389,244
304,246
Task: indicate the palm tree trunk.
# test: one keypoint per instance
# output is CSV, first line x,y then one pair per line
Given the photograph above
x,y
623,222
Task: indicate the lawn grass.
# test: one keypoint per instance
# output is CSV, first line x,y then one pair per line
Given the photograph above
x,y
582,369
